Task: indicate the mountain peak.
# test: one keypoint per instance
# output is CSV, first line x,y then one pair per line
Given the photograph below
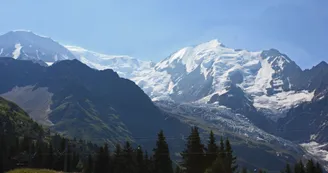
x,y
211,44
26,45
322,64
24,33
215,42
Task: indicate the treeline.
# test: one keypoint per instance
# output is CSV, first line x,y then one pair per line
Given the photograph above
x,y
196,158
51,152
61,154
309,167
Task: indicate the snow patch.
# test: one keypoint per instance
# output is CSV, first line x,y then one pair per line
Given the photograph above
x,y
37,54
283,100
49,63
263,79
281,62
17,50
289,84
171,86
313,137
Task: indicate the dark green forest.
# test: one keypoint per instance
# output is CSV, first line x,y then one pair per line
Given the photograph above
x,y
61,154
25,144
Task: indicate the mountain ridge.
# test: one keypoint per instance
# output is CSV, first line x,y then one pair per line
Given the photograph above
x,y
76,89
197,73
270,88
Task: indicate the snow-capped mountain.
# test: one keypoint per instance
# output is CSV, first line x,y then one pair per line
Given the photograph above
x,y
262,94
26,45
125,66
205,71
268,79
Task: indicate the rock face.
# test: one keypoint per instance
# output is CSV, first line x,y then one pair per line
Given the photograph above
x,y
307,122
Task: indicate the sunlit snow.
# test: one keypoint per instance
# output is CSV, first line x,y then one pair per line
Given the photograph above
x,y
317,150
49,63
177,74
125,66
282,100
17,50
263,79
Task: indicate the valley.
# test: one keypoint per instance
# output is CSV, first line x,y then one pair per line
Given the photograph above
x,y
263,101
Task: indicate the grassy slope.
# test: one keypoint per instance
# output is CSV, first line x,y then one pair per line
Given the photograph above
x,y
16,121
90,124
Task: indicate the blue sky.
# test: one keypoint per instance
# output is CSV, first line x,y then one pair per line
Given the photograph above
x,y
153,29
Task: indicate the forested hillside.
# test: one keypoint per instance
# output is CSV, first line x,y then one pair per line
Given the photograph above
x,y
25,144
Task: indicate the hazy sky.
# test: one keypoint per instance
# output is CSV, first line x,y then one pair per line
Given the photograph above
x,y
153,29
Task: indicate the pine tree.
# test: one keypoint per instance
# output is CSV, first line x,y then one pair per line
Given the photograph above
x,y
288,169
231,160
140,160
99,167
261,171
61,155
302,169
299,167
106,159
162,160
75,161
38,158
129,159
118,163
50,157
149,167
68,159
31,151
2,153
310,167
216,167
318,168
219,164
222,153
177,169
212,150
102,164
88,166
193,156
